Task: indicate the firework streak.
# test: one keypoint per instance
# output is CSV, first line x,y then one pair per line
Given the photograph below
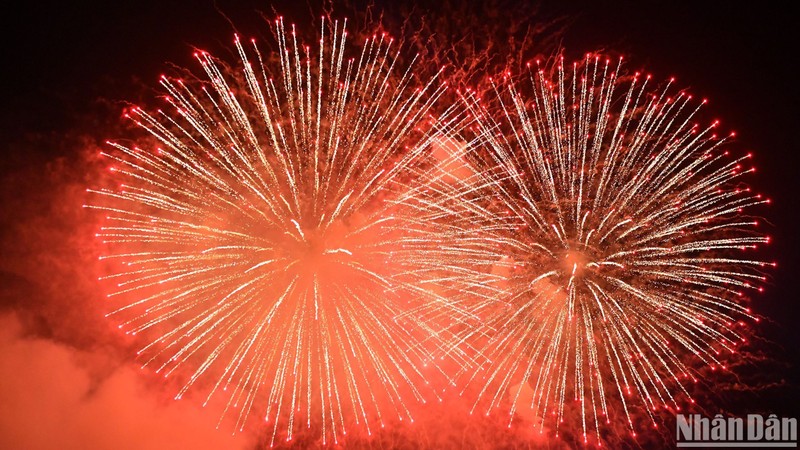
x,y
270,246
617,225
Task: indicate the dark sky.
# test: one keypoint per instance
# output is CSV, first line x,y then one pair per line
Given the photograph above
x,y
66,68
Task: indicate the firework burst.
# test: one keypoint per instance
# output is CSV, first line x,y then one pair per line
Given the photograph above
x,y
268,247
618,226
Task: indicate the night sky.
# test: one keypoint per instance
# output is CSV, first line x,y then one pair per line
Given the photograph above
x,y
67,71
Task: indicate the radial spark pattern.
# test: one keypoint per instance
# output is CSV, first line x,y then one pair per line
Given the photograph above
x,y
264,249
619,227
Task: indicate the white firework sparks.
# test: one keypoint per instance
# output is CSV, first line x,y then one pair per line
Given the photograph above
x,y
617,225
269,247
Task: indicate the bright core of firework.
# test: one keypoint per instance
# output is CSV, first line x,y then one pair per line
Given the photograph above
x,y
261,244
617,226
